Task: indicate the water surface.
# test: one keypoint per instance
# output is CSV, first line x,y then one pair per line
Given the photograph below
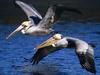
x,y
16,52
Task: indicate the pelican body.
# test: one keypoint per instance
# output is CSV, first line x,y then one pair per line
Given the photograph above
x,y
83,50
36,31
36,25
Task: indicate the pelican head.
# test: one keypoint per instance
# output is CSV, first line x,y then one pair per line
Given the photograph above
x,y
57,36
26,23
24,26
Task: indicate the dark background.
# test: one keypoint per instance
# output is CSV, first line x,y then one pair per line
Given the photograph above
x,y
10,14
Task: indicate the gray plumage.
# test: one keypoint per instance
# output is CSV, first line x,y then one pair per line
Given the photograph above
x,y
29,10
83,50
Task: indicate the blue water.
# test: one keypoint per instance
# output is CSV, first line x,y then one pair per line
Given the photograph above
x,y
16,52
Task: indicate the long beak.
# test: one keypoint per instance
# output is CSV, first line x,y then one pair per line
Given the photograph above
x,y
46,43
15,31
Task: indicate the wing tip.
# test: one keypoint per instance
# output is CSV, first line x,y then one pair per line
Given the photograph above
x,y
15,2
36,57
33,60
89,68
92,70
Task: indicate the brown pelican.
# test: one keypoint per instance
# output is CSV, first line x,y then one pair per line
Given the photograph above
x,y
36,25
83,50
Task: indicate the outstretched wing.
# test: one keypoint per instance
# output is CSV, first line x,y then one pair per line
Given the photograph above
x,y
48,47
53,14
48,20
31,12
87,59
43,52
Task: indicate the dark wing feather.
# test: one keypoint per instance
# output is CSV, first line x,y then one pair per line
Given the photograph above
x,y
74,10
35,19
59,9
87,60
43,52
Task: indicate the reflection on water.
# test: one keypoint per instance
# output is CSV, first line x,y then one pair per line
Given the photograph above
x,y
41,69
16,52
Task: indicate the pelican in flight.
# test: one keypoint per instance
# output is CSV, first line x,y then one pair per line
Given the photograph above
x,y
36,25
83,50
